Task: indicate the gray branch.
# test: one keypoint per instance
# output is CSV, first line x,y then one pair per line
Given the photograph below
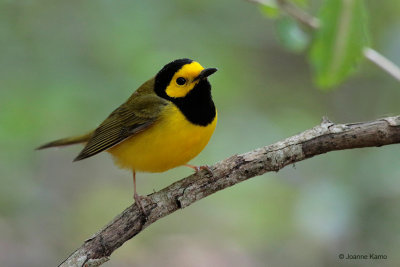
x,y
321,139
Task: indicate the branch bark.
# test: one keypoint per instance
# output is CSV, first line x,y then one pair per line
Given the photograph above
x,y
321,139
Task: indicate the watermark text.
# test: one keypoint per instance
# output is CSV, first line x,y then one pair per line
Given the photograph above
x,y
369,256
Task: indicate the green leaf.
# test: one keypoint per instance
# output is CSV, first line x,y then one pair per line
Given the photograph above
x,y
302,3
291,36
270,9
338,44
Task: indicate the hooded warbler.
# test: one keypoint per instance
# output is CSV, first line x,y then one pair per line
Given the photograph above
x,y
164,124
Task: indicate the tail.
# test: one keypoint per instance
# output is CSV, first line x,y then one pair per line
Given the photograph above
x,y
67,141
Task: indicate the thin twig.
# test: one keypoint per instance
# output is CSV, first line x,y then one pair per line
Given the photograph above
x,y
382,62
321,139
293,11
313,23
300,15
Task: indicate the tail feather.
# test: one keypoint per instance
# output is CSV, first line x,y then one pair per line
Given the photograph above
x,y
67,141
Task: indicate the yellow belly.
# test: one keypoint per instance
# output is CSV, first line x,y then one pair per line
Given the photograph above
x,y
172,141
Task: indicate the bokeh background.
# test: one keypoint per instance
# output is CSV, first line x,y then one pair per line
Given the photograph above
x,y
65,65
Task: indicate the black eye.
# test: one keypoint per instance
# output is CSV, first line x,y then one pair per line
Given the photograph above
x,y
181,81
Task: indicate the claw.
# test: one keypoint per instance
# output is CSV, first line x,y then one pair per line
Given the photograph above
x,y
138,202
138,199
200,168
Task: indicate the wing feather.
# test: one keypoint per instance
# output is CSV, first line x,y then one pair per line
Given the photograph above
x,y
135,115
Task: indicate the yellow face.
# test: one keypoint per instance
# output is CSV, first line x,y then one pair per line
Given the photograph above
x,y
183,80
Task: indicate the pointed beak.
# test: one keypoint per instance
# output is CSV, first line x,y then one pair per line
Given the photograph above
x,y
205,73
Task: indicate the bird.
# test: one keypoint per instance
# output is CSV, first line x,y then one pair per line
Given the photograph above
x,y
164,124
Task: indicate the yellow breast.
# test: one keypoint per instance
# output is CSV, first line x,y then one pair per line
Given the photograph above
x,y
170,142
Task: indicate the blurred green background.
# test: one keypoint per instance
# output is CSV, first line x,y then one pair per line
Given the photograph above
x,y
65,65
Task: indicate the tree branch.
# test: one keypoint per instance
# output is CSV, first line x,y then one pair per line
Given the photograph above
x,y
321,139
313,23
298,14
382,62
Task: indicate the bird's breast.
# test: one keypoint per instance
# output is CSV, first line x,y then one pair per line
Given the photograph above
x,y
170,142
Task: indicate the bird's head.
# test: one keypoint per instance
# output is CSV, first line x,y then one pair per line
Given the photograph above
x,y
180,77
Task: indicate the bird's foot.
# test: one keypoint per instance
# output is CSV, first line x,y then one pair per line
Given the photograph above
x,y
138,202
200,168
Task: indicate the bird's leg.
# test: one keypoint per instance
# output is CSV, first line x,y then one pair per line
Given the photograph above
x,y
135,194
199,168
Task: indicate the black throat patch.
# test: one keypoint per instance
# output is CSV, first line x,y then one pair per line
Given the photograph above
x,y
197,106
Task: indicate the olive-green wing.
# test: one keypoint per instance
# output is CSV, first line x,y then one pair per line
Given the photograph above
x,y
138,113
